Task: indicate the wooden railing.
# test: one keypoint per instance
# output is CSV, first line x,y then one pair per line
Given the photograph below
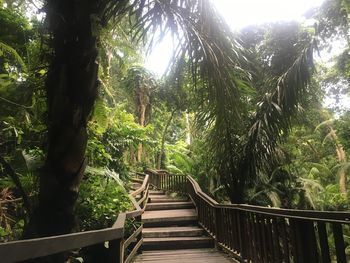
x,y
166,181
261,234
117,245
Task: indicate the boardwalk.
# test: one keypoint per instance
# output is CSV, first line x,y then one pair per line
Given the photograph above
x,y
171,233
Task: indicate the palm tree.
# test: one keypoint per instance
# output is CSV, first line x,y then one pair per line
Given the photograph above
x,y
142,84
243,151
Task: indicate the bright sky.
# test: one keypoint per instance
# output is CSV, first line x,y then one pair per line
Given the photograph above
x,y
238,14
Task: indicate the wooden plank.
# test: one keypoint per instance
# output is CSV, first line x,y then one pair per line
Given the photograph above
x,y
184,255
175,213
40,247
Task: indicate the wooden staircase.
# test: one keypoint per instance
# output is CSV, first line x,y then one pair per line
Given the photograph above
x,y
171,223
171,233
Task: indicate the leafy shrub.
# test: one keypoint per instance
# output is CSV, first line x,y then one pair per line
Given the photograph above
x,y
102,196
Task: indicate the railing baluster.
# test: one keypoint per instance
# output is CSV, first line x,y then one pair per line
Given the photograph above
x,y
285,243
270,249
339,243
276,241
243,236
235,232
294,243
255,238
264,239
322,233
250,236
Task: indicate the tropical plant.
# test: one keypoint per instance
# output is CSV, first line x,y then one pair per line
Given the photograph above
x,y
102,196
142,84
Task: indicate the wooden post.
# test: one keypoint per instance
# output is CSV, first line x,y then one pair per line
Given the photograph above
x,y
217,226
116,251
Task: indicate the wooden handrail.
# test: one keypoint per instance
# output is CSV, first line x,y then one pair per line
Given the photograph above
x,y
331,216
263,234
40,247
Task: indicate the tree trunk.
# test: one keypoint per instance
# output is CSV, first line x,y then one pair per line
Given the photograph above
x,y
188,129
71,91
341,156
161,153
142,118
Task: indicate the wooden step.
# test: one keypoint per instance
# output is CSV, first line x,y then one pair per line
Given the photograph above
x,y
156,192
169,206
178,217
159,196
177,243
137,180
185,231
135,186
165,199
199,255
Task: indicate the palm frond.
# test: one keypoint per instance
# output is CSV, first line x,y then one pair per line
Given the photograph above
x,y
211,51
275,112
325,123
6,49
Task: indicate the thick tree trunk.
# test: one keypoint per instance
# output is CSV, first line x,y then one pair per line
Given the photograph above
x,y
71,90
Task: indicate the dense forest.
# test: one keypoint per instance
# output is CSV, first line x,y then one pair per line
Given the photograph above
x,y
257,116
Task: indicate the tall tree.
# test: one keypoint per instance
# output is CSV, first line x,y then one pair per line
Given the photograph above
x,y
142,84
71,92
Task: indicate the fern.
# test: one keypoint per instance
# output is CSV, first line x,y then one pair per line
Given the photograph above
x,y
101,116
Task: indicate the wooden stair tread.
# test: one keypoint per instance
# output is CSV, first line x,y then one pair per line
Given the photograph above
x,y
163,239
190,231
169,205
174,228
157,192
177,242
202,255
159,196
175,213
178,251
165,199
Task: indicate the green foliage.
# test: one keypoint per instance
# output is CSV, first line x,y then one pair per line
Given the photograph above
x,y
178,161
102,197
113,131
